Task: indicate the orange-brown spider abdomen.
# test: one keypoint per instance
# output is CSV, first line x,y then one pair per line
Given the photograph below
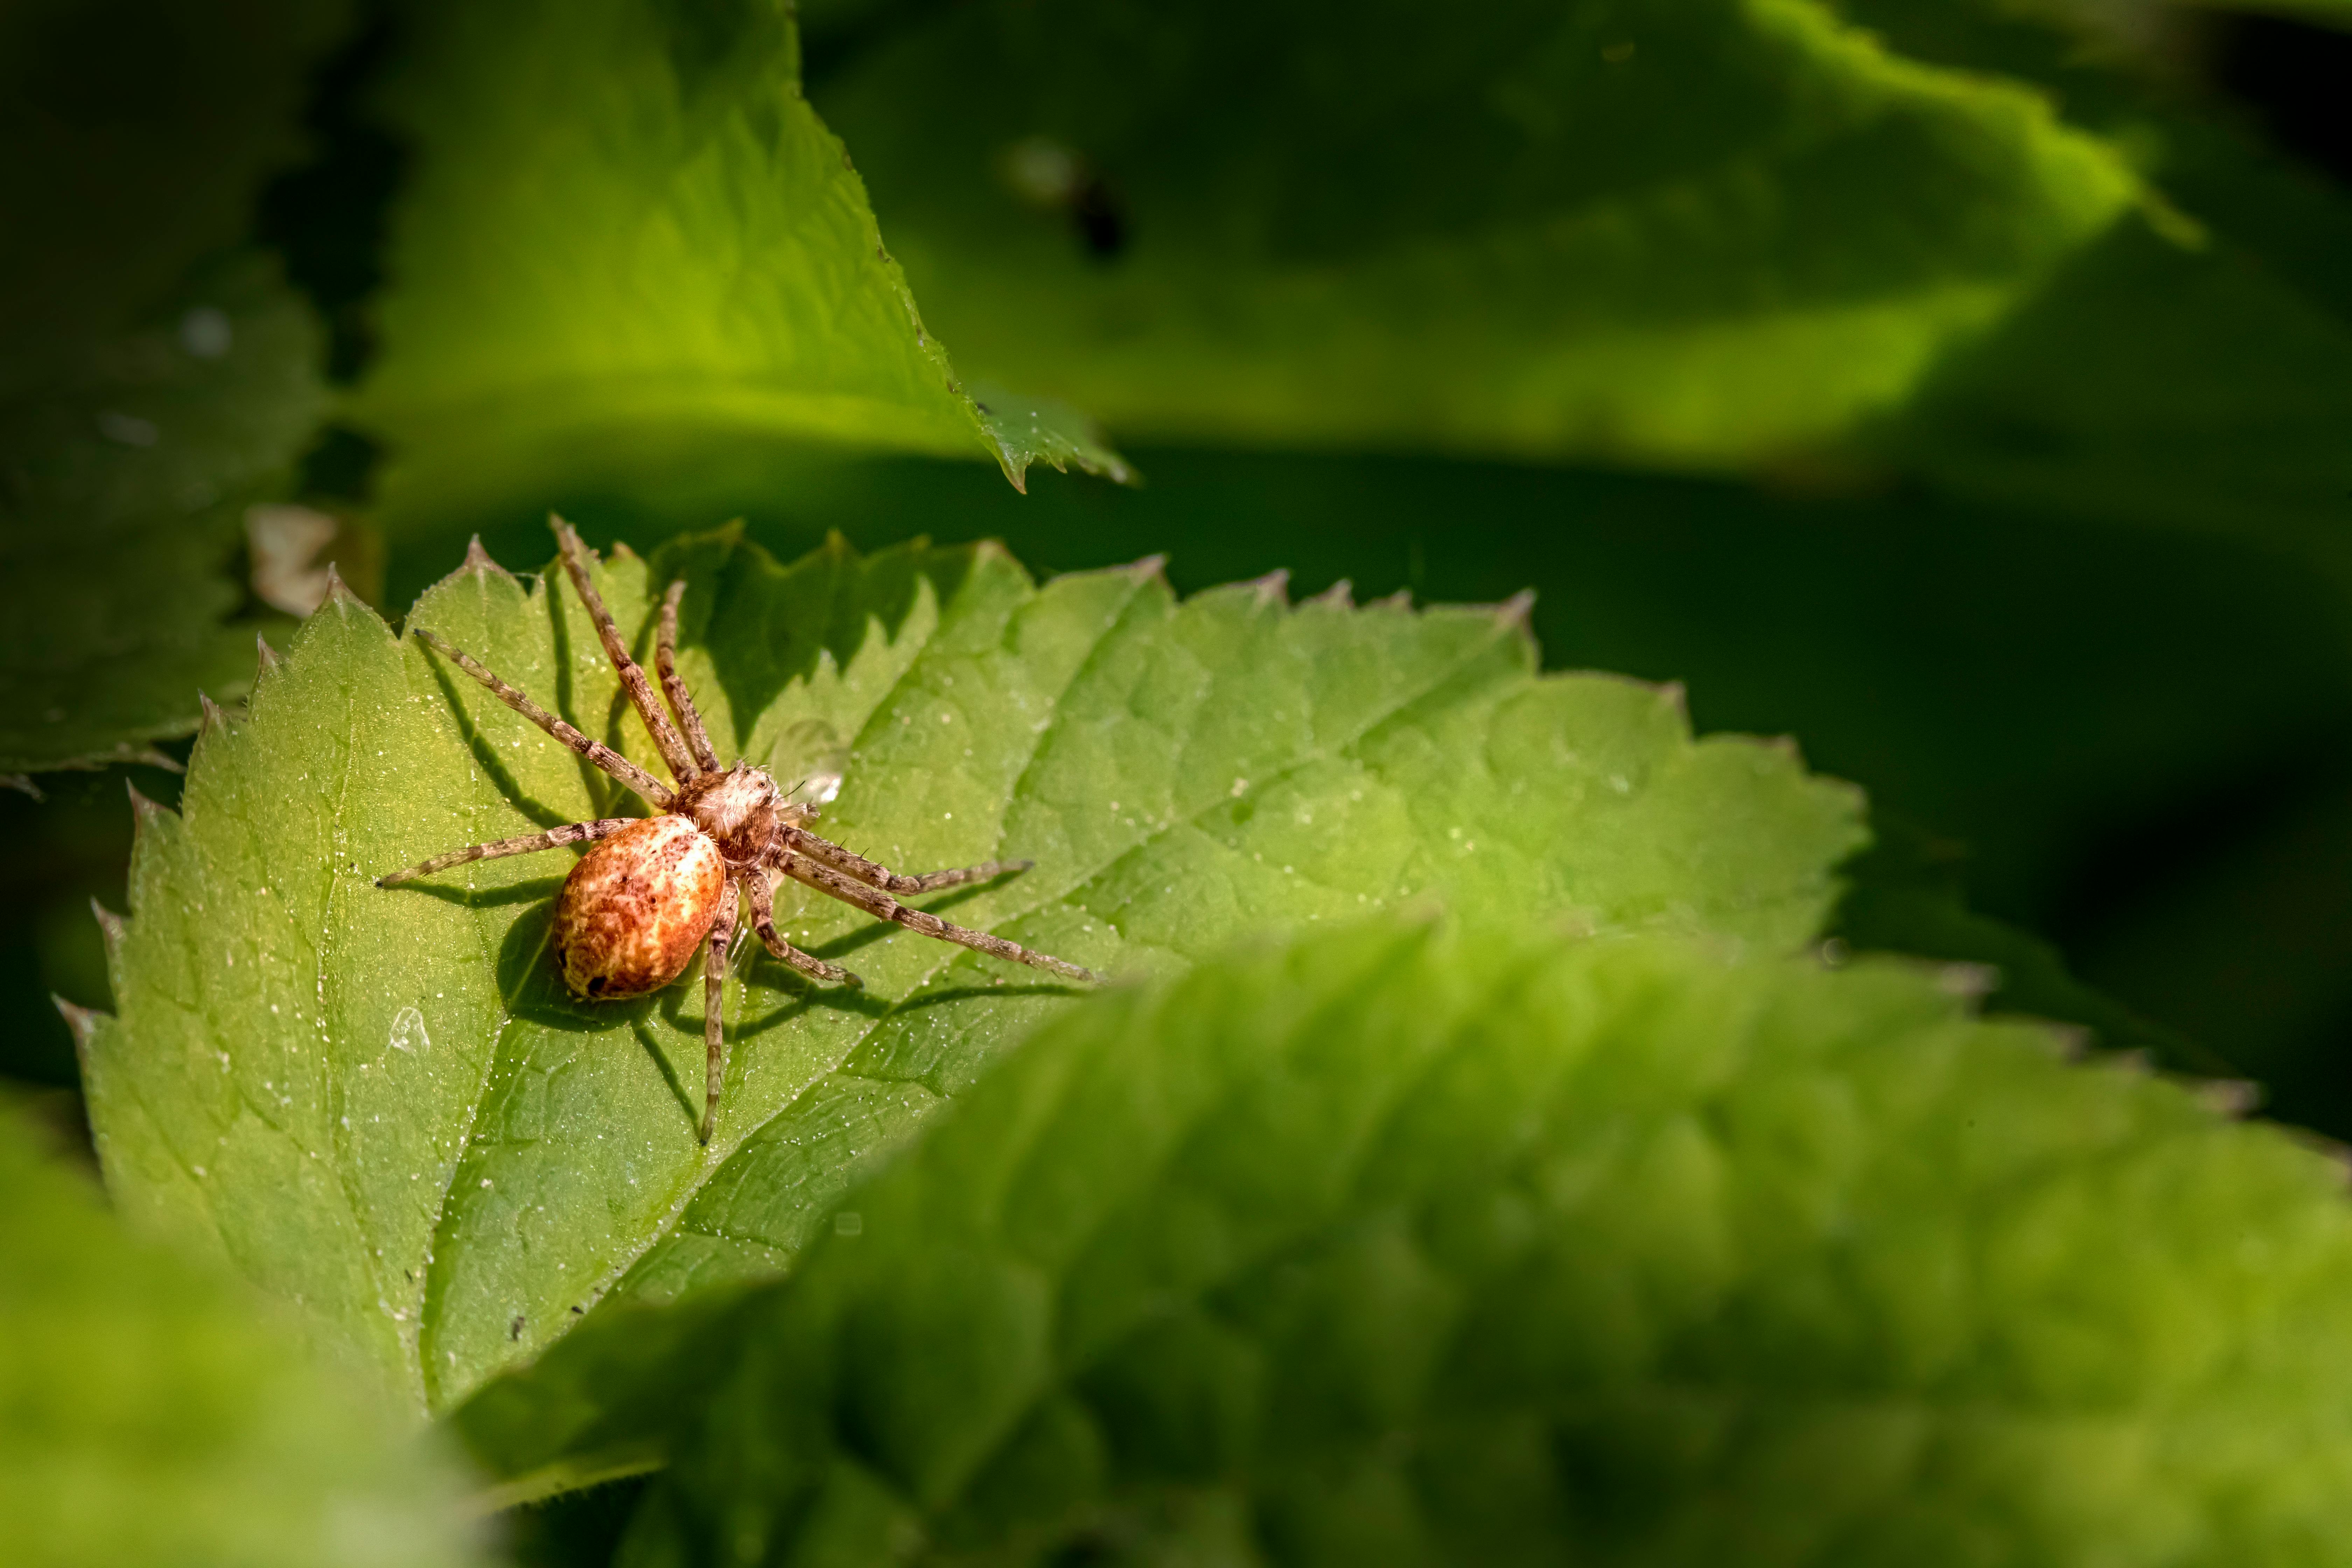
x,y
636,907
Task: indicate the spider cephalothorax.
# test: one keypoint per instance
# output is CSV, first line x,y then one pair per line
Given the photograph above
x,y
742,809
654,889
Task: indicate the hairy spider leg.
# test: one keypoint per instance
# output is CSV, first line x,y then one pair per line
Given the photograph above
x,y
714,1017
596,752
825,851
882,906
529,844
681,702
763,921
633,678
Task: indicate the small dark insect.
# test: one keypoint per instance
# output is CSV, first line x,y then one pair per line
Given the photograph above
x,y
635,908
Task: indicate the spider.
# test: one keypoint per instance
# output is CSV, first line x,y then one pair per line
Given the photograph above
x,y
653,889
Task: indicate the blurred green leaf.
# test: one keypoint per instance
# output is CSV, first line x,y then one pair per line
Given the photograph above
x,y
1405,1246
604,1402
157,1413
2193,370
626,230
405,1123
128,475
1698,232
152,380
138,133
2201,385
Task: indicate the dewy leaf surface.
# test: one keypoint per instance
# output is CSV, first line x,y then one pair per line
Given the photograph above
x,y
128,475
1695,231
626,232
383,1103
158,1413
1404,1246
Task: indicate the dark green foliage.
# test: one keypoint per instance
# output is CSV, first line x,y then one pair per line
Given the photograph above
x,y
138,134
154,376
129,474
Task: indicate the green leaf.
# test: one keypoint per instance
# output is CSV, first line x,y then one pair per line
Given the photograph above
x,y
2202,386
129,477
2187,371
1410,1245
150,381
1690,232
139,133
625,234
159,1412
406,1122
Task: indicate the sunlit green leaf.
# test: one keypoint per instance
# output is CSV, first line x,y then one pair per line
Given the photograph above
x,y
2190,368
1692,232
626,232
155,1411
1410,1246
403,1119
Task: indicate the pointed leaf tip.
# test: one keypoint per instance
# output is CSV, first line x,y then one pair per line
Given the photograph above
x,y
478,560
143,810
1273,588
209,717
1340,596
110,925
82,1021
268,656
22,782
